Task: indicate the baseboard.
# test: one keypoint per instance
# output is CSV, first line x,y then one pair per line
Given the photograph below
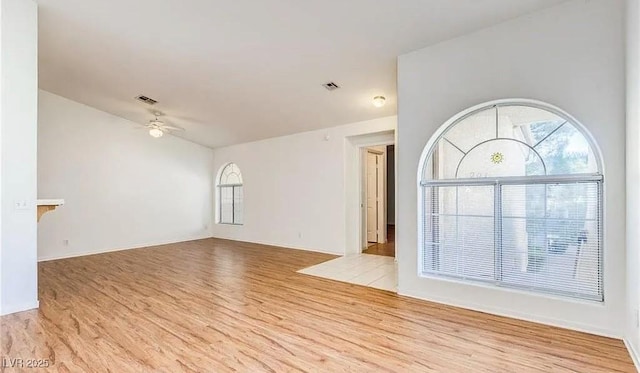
x,y
19,308
589,329
138,246
634,353
266,243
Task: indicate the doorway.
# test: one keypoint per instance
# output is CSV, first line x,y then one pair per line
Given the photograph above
x,y
378,196
355,220
357,266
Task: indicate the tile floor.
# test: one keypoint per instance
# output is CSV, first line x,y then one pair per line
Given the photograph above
x,y
376,271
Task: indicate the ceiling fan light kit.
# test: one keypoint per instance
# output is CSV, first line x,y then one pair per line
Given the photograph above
x,y
156,132
158,128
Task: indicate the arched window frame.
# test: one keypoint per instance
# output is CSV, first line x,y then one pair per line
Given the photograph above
x,y
230,195
423,181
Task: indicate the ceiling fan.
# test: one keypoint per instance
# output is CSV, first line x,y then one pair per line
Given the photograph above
x,y
158,128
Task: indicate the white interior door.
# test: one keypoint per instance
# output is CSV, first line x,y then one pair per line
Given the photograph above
x,y
375,198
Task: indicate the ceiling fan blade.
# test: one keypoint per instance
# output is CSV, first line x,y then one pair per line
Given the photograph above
x,y
155,112
172,128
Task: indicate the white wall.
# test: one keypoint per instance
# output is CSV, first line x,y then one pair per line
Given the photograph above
x,y
122,188
18,125
295,188
633,176
571,56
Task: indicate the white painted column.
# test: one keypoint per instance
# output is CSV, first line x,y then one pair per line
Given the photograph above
x,y
18,149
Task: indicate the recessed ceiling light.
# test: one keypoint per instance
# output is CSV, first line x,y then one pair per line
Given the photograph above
x,y
378,101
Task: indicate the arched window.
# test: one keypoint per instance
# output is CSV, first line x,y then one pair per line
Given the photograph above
x,y
511,195
230,199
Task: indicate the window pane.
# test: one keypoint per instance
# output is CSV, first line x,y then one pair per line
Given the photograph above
x,y
230,175
473,130
457,141
567,151
497,158
551,238
445,161
226,205
531,123
237,205
459,231
514,140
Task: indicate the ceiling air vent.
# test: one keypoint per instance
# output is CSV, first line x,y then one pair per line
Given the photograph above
x,y
146,100
331,86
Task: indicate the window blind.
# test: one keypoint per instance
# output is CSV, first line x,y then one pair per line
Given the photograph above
x,y
231,204
540,236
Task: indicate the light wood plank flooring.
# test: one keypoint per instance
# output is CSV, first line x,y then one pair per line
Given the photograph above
x,y
386,249
216,306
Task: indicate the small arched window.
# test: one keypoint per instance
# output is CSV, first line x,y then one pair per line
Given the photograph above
x,y
230,195
511,195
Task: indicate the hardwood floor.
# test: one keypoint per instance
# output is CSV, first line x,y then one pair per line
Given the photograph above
x,y
386,249
215,306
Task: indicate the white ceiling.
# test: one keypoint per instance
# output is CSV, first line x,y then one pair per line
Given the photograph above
x,y
240,70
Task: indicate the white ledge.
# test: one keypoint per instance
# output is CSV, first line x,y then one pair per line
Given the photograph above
x,y
50,202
